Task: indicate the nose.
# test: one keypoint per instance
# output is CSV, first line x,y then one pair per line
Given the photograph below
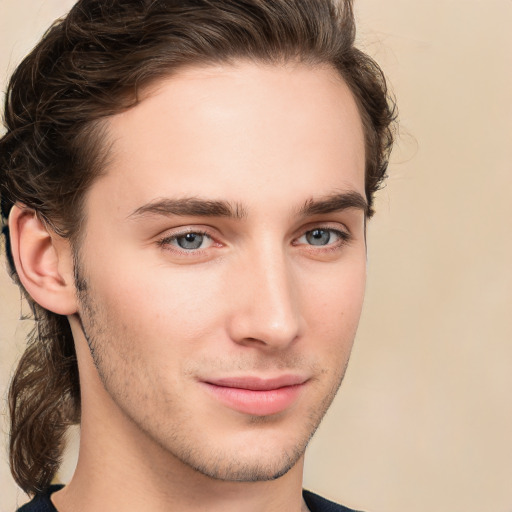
x,y
265,302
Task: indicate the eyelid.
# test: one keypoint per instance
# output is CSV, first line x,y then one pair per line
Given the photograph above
x,y
177,231
327,225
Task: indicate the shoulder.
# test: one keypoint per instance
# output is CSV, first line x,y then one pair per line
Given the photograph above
x,y
316,503
41,502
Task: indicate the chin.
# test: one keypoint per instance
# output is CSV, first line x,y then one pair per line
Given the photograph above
x,y
248,457
246,470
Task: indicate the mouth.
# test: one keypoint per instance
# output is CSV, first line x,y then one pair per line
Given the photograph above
x,y
256,396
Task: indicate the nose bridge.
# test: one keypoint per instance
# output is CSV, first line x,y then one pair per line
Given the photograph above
x,y
268,308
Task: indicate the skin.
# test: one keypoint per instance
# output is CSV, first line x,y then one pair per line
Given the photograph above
x,y
261,297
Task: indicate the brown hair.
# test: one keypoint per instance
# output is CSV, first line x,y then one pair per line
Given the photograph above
x,y
91,65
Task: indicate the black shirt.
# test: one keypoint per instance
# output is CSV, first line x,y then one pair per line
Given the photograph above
x,y
315,503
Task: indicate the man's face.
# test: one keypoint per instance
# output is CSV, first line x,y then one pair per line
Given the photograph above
x,y
224,263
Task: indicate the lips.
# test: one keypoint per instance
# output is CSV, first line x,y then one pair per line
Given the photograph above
x,y
256,396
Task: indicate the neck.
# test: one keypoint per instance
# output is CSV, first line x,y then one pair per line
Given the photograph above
x,y
120,467
114,474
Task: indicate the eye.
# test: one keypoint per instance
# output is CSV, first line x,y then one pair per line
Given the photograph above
x,y
190,241
318,237
323,237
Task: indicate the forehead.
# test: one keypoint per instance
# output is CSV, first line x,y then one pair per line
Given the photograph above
x,y
228,131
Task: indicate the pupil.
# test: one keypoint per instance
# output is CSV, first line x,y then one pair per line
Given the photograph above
x,y
318,237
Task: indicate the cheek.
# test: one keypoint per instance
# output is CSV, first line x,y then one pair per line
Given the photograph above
x,y
158,305
333,305
338,291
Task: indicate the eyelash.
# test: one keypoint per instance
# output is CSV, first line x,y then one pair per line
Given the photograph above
x,y
344,237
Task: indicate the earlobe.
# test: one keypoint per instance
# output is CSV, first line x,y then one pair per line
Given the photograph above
x,y
43,260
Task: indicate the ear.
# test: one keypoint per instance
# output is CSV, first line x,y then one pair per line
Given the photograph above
x,y
44,261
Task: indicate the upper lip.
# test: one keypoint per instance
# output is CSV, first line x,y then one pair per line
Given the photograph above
x,y
257,383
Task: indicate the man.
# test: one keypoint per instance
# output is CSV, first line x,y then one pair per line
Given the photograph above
x,y
187,185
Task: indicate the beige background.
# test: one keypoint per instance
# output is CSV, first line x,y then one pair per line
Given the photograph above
x,y
424,419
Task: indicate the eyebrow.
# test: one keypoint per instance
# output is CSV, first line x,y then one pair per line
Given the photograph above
x,y
191,206
195,207
334,203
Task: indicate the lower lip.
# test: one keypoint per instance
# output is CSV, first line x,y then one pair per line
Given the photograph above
x,y
256,403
